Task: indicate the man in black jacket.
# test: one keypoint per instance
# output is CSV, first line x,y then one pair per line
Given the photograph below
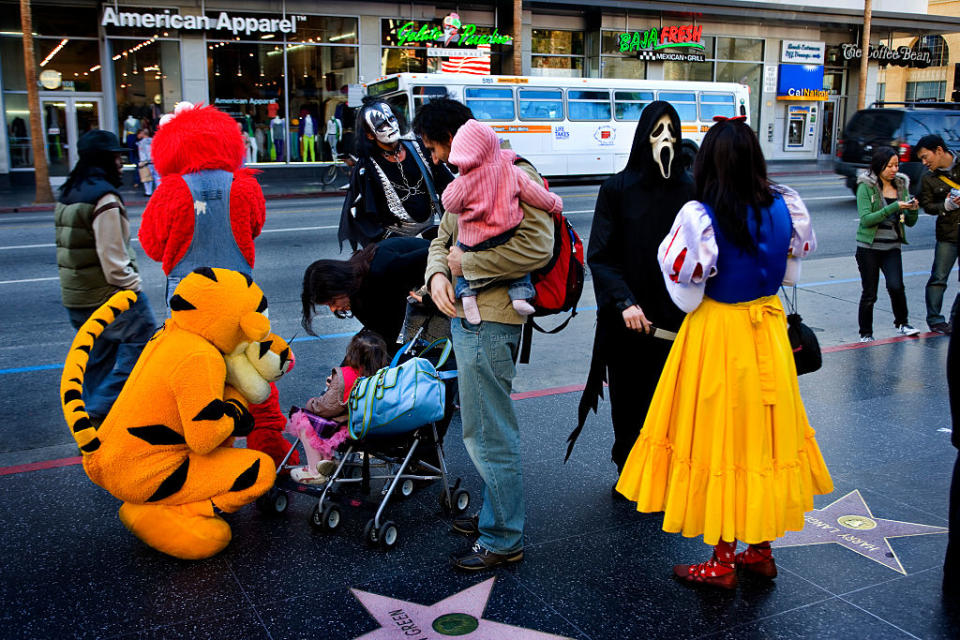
x,y
937,200
634,212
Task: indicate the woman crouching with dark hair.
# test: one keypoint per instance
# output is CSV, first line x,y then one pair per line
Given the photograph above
x,y
372,286
730,457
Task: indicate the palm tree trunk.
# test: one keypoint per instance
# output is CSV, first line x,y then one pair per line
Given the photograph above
x,y
41,171
517,37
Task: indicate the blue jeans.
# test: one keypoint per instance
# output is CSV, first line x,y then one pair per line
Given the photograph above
x,y
485,363
519,289
944,257
114,353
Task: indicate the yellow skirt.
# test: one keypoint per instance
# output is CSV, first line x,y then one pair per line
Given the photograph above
x,y
726,450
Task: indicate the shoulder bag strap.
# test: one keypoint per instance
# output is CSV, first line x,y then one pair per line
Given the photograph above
x,y
427,175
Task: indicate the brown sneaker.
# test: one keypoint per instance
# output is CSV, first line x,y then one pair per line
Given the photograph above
x,y
478,558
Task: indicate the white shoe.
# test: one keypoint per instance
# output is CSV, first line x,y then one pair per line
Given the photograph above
x,y
907,330
867,338
302,475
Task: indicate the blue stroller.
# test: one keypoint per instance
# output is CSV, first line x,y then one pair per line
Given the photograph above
x,y
393,462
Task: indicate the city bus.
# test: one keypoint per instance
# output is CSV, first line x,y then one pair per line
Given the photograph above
x,y
569,126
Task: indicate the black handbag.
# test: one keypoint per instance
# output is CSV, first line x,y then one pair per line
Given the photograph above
x,y
806,347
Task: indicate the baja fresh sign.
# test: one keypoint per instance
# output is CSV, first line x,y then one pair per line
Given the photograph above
x,y
451,32
651,44
246,24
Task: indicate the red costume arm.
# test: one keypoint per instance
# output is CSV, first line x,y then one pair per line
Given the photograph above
x,y
247,212
166,227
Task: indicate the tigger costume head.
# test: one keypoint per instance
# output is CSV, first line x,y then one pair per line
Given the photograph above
x,y
165,447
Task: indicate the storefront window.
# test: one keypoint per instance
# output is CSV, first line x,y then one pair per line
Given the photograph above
x,y
408,61
318,85
557,53
405,45
17,119
627,68
700,71
283,92
926,91
739,49
750,74
147,80
247,81
75,62
49,19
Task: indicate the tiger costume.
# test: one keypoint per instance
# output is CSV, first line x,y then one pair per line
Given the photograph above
x,y
165,447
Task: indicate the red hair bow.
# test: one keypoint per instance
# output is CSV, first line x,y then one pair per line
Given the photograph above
x,y
734,118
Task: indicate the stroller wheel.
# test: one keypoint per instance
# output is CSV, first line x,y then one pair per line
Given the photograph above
x,y
370,534
273,502
388,535
406,488
461,501
327,520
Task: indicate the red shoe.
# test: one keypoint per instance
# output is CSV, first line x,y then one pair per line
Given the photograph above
x,y
758,561
713,572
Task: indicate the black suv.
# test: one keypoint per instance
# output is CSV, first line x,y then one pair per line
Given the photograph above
x,y
899,127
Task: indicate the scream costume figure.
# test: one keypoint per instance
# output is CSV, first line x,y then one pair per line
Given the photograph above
x,y
635,209
206,212
165,448
394,189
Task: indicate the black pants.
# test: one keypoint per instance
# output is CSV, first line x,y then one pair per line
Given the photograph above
x,y
633,372
871,262
951,564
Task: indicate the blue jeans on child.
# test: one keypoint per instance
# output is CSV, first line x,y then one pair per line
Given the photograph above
x,y
486,354
114,353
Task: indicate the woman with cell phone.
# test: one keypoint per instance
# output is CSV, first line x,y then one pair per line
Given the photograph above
x,y
885,207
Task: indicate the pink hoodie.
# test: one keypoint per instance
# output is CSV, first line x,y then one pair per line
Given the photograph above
x,y
487,193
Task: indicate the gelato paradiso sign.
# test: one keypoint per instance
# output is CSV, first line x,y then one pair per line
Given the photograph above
x,y
451,32
236,25
651,44
899,57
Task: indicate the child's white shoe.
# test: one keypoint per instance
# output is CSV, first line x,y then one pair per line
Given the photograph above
x,y
523,307
470,309
302,475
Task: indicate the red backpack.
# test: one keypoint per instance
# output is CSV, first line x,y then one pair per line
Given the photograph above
x,y
559,283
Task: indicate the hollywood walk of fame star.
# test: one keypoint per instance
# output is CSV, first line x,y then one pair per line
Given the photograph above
x,y
849,522
458,615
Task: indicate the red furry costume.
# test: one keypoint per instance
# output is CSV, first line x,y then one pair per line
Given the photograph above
x,y
196,139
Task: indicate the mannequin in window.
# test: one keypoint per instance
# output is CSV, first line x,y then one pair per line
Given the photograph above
x,y
278,131
308,137
332,135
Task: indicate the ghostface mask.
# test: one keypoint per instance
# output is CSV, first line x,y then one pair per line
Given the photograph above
x,y
662,139
382,123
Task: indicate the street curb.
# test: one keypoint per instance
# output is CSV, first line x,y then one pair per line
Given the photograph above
x,y
138,203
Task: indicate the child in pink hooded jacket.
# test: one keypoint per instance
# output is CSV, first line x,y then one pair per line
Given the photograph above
x,y
486,198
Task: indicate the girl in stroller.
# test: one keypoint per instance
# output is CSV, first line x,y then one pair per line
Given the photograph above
x,y
321,426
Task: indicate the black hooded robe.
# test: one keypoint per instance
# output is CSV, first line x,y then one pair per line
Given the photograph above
x,y
634,212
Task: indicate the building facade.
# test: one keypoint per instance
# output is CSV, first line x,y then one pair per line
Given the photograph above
x,y
285,68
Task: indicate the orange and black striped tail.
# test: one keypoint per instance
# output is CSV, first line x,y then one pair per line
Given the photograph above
x,y
71,380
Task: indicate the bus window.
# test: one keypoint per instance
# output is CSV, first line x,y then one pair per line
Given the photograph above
x,y
540,104
423,95
716,104
400,104
627,105
684,102
588,105
489,103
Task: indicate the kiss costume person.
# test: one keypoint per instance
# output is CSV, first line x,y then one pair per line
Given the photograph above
x,y
394,188
634,212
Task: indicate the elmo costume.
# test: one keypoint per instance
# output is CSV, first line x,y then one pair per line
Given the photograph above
x,y
206,213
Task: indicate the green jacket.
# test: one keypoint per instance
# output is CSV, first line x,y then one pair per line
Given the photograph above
x,y
530,248
873,209
82,283
933,191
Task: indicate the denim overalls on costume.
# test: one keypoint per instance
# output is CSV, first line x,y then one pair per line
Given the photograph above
x,y
213,244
